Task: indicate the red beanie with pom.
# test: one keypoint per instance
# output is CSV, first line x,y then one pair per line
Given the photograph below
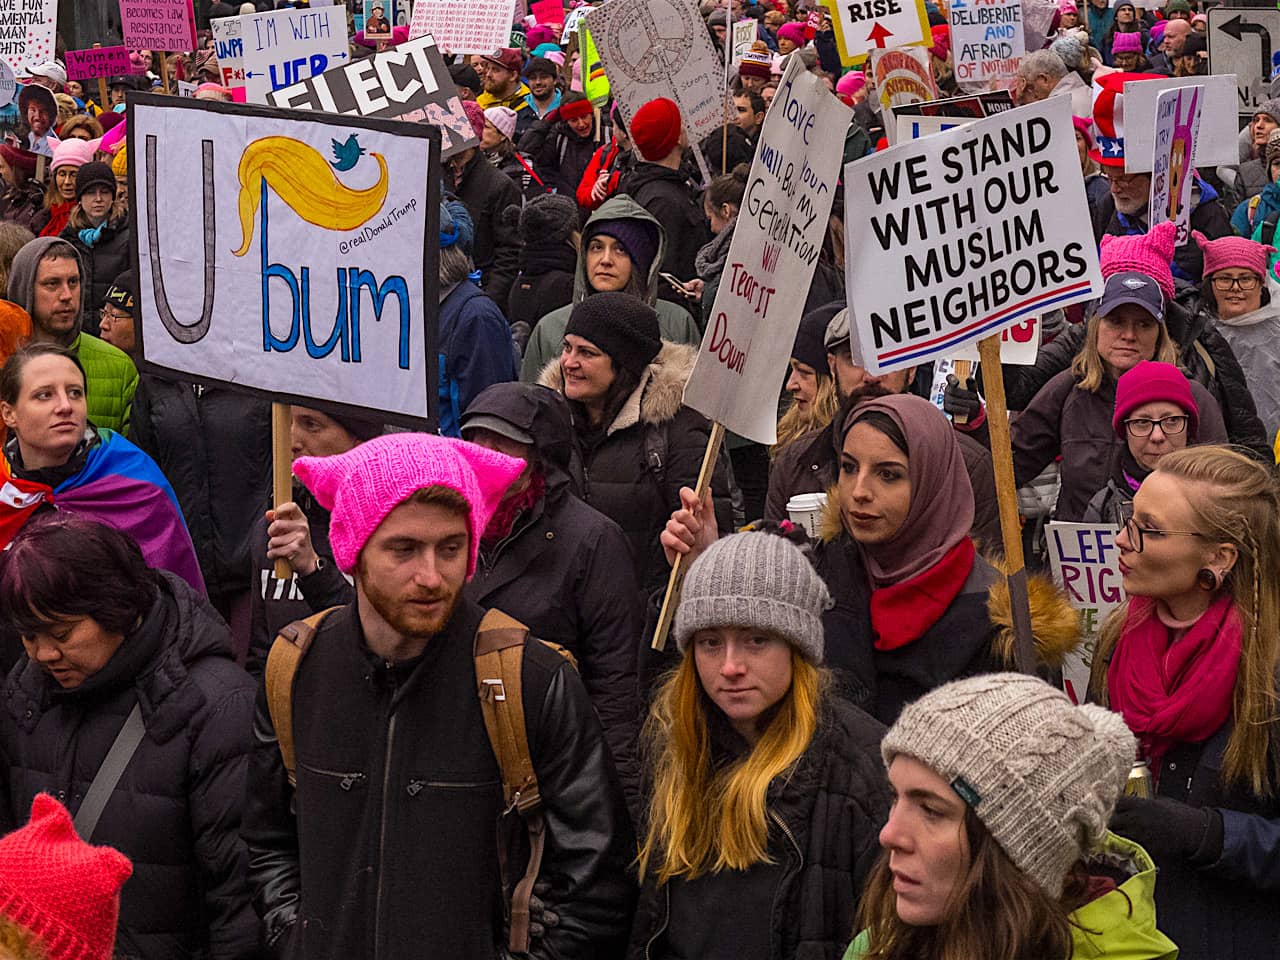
x,y
655,129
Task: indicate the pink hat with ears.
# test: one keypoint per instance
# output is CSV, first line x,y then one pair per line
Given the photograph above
x,y
851,82
363,485
1150,253
1227,252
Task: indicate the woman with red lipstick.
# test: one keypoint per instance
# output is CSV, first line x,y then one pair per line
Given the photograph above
x,y
1190,662
997,846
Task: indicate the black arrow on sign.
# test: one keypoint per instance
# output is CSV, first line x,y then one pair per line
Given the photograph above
x,y
1236,26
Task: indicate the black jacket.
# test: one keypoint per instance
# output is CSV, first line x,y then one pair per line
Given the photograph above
x,y
544,284
825,819
672,200
389,846
559,155
176,811
486,192
731,144
111,256
214,446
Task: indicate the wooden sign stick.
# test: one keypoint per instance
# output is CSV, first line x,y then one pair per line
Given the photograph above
x,y
281,469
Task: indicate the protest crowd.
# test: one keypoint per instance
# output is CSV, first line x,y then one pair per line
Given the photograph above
x,y
645,631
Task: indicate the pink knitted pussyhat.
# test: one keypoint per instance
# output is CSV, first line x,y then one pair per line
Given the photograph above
x,y
1227,252
366,483
1150,253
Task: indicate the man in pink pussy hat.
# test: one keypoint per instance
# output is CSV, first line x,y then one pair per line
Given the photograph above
x,y
388,845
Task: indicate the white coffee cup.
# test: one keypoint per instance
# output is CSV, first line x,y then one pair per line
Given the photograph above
x,y
805,510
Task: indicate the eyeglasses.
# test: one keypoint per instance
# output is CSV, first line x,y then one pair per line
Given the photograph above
x,y
1169,426
1245,283
1135,534
107,315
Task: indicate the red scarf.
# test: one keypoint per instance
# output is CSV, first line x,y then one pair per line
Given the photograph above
x,y
902,612
1175,692
509,510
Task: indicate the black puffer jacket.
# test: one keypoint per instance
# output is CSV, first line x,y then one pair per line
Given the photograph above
x,y
214,446
825,820
673,201
544,284
388,848
486,192
176,811
111,256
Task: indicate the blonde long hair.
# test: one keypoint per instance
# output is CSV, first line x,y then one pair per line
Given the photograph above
x,y
1239,503
794,424
703,819
1091,371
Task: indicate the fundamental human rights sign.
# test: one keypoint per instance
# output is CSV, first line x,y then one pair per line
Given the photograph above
x,y
953,237
464,26
27,30
772,255
1086,565
158,24
95,62
285,46
1177,127
409,83
305,264
986,41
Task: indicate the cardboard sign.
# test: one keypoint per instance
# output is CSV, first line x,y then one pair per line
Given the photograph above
x,y
27,30
287,273
986,41
409,83
97,62
1216,143
464,26
228,46
949,239
772,255
1085,562
1177,126
158,24
903,77
865,25
286,46
661,48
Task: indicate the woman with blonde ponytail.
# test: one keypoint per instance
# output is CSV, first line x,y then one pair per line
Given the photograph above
x,y
766,793
1190,663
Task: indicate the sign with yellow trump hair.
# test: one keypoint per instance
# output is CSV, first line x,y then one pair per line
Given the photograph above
x,y
290,253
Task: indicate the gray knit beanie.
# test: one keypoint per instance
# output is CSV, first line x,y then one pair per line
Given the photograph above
x,y
757,580
1042,774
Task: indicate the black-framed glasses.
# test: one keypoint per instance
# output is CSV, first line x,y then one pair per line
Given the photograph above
x,y
1246,283
1169,426
1136,534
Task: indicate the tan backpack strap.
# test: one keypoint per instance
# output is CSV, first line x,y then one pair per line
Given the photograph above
x,y
282,666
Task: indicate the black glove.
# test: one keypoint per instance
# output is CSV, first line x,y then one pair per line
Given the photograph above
x,y
961,401
541,917
1170,829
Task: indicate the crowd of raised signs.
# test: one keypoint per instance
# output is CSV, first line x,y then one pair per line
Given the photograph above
x,y
417,710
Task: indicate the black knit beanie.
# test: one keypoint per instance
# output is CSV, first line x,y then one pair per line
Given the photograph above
x,y
622,326
548,220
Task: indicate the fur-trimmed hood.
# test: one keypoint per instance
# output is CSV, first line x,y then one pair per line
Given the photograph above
x,y
660,394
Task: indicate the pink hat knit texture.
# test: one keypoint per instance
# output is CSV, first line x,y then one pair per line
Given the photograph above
x,y
851,82
71,153
1126,43
1149,382
65,892
1227,252
1150,253
366,483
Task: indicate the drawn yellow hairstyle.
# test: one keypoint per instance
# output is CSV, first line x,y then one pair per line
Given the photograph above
x,y
303,179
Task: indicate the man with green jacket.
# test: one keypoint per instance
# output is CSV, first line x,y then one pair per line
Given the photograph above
x,y
47,280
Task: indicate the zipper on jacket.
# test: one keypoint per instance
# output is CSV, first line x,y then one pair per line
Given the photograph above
x,y
773,910
417,786
666,919
347,780
382,834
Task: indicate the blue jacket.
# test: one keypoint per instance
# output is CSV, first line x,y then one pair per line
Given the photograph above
x,y
476,350
1266,204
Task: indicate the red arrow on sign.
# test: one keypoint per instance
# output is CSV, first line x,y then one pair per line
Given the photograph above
x,y
878,34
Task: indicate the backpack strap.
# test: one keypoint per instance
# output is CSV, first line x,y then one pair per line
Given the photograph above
x,y
286,653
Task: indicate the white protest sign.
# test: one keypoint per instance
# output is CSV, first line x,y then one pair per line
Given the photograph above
x,y
953,237
903,76
1218,130
744,34
27,31
864,25
1085,562
284,272
772,255
1177,126
285,46
661,48
228,47
986,41
571,22
913,128
464,26
1019,344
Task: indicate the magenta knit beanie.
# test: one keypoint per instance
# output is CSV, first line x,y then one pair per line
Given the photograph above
x,y
1148,382
794,32
366,483
851,83
1227,252
1127,43
475,114
1150,253
63,891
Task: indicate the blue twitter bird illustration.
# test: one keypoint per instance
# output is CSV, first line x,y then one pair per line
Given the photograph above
x,y
346,154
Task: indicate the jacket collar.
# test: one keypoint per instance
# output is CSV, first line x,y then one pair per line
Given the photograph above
x,y
658,397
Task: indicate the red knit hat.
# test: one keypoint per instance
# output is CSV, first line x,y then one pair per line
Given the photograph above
x,y
655,129
475,115
65,892
1150,253
1149,382
1227,252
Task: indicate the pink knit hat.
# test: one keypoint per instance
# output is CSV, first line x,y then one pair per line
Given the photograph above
x,y
851,82
475,114
71,153
1227,252
1149,382
794,32
1150,253
1126,43
1085,126
366,483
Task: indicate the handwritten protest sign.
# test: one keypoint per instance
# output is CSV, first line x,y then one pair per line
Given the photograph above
x,y
571,22
902,76
1085,562
1216,142
865,25
228,47
772,255
986,41
744,34
464,26
158,24
27,30
661,48
97,62
288,273
949,238
286,46
409,83
1177,126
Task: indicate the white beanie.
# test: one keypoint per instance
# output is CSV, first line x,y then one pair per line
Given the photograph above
x,y
503,120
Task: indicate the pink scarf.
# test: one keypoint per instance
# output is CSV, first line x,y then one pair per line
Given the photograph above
x,y
1175,692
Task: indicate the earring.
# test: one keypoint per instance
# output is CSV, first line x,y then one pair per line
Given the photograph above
x,y
1209,579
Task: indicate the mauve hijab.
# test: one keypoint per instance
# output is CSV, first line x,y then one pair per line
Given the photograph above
x,y
940,514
